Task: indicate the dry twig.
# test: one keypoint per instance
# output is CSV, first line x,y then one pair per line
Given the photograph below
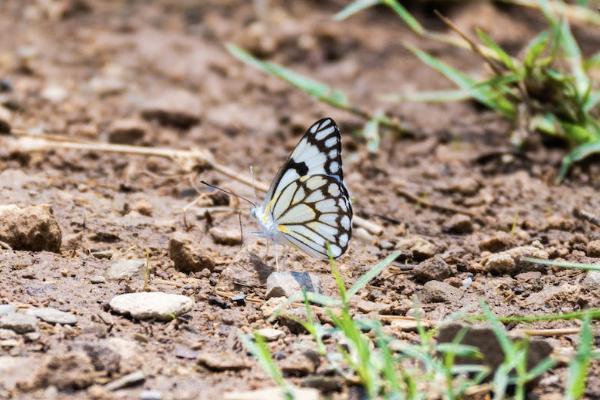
x,y
188,160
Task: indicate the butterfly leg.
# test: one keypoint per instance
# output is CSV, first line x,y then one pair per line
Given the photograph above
x,y
276,257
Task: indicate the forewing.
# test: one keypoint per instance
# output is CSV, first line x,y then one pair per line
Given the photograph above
x,y
312,211
319,152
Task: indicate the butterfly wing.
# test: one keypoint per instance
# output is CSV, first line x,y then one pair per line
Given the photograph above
x,y
312,211
319,152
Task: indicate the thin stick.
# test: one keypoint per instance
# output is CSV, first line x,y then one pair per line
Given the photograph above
x,y
187,160
587,216
426,203
548,332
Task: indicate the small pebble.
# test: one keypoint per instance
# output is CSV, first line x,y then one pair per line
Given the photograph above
x,y
270,334
20,323
132,379
53,316
222,361
125,269
436,291
97,279
150,395
227,237
458,224
289,283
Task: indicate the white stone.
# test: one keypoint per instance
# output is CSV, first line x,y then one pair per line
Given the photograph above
x,y
53,316
270,334
125,269
151,305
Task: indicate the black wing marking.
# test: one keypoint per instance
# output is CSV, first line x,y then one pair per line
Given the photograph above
x,y
313,211
319,152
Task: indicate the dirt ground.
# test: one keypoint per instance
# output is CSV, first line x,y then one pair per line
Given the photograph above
x,y
85,69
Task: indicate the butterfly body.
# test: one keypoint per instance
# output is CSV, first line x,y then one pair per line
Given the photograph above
x,y
308,205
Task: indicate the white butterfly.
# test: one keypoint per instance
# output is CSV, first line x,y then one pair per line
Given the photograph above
x,y
307,205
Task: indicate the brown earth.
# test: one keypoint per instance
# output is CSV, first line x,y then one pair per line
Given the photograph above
x,y
157,74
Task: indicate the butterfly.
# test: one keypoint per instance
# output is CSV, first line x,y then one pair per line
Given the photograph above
x,y
308,205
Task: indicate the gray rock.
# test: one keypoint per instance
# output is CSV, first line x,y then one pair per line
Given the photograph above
x,y
151,305
20,323
128,352
270,334
6,309
227,237
125,269
529,276
127,131
592,279
466,186
132,379
186,258
509,261
433,269
497,242
386,245
298,364
31,228
459,224
222,361
436,291
554,295
102,357
289,283
419,248
53,316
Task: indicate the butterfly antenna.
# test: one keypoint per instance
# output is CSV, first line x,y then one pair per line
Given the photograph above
x,y
253,184
229,193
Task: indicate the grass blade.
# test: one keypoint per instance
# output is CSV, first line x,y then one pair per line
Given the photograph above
x,y
577,154
563,264
312,87
373,272
484,94
579,367
259,349
405,16
354,7
429,96
502,55
574,58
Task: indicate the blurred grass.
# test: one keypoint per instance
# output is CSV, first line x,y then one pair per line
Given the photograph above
x,y
363,351
548,90
325,94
